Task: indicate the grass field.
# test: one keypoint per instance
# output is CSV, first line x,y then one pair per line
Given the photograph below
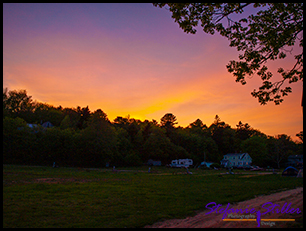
x,y
72,197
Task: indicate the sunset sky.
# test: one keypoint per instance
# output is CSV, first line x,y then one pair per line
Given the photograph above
x,y
133,59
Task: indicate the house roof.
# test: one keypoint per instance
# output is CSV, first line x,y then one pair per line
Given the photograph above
x,y
239,155
295,157
47,125
33,125
235,154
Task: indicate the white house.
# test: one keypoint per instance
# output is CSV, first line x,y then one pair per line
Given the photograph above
x,y
236,160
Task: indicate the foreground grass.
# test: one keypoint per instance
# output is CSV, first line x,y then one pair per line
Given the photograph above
x,y
71,197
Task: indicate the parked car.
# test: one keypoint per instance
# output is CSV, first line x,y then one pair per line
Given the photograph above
x,y
256,168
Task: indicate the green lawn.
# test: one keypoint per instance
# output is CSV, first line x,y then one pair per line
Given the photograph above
x,y
72,197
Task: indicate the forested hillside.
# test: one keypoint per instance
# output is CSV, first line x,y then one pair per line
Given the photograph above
x,y
82,138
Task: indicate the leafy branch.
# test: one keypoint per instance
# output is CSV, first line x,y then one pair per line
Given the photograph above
x,y
262,37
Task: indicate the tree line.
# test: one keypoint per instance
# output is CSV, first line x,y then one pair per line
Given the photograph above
x,y
82,138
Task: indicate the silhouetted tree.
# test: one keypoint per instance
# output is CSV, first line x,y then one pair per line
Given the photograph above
x,y
97,118
257,148
159,147
66,123
5,103
147,130
82,138
260,37
133,128
280,148
16,135
300,135
168,121
119,121
224,136
96,144
243,131
18,104
74,116
57,145
84,115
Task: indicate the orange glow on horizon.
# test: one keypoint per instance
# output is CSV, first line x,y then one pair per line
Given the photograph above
x,y
107,57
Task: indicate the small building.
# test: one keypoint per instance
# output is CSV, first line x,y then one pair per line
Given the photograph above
x,y
295,160
32,125
236,160
34,128
47,125
154,162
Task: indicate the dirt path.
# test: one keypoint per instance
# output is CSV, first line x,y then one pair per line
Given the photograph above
x,y
214,220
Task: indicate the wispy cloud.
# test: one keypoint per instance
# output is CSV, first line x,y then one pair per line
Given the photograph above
x,y
131,59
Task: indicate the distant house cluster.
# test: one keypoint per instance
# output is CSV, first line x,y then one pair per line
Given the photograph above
x,y
44,125
34,127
